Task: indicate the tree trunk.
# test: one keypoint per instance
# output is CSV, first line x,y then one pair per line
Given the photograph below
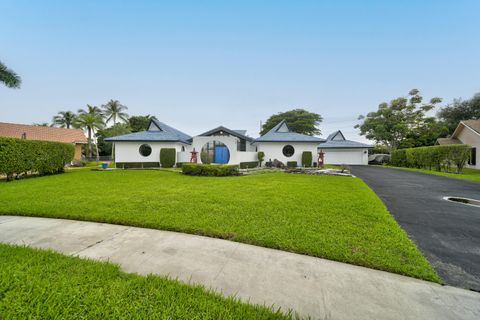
x,y
90,142
96,148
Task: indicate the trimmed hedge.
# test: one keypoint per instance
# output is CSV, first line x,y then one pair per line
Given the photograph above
x,y
212,170
137,165
180,164
440,158
168,157
261,157
291,164
19,156
307,159
246,165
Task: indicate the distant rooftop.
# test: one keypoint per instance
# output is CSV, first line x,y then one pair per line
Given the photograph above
x,y
32,132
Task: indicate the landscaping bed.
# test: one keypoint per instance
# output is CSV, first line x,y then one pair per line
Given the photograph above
x,y
36,284
337,218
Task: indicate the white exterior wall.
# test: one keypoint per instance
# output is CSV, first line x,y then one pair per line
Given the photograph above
x,y
230,141
468,136
274,150
346,156
128,151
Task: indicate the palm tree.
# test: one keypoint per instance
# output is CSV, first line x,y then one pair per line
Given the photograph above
x,y
90,120
64,119
9,77
113,109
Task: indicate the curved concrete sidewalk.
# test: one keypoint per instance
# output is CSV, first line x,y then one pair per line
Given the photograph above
x,y
311,286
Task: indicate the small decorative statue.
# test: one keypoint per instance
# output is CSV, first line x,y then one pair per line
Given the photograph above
x,y
193,158
321,159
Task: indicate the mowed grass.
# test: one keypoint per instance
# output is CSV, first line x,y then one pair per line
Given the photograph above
x,y
337,218
467,173
38,284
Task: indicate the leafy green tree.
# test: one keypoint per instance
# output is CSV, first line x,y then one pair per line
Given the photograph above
x,y
140,123
460,110
105,148
298,120
113,109
90,120
9,77
64,119
425,134
394,122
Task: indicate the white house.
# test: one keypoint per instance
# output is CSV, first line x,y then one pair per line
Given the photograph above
x,y
467,132
225,146
338,150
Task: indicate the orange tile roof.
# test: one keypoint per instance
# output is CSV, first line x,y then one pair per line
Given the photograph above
x,y
31,132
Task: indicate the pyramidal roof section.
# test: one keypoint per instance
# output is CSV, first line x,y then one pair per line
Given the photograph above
x,y
282,133
157,131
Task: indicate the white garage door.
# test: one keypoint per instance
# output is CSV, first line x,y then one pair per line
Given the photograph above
x,y
345,156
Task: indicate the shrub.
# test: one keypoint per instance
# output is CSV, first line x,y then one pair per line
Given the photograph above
x,y
19,156
167,157
291,164
251,164
307,159
212,170
180,164
434,157
260,156
399,158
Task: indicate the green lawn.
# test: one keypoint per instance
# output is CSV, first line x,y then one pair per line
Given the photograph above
x,y
337,218
467,174
37,284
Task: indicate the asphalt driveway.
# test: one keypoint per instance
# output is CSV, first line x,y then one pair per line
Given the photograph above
x,y
448,233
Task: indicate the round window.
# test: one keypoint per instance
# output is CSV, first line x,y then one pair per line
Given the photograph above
x,y
288,151
215,152
145,150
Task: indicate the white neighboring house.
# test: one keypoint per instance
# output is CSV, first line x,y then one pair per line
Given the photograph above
x,y
225,146
338,150
467,132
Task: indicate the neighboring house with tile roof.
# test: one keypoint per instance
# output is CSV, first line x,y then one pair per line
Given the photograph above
x,y
467,132
32,132
338,150
221,146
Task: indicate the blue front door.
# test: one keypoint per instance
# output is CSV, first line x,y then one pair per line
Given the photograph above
x,y
221,154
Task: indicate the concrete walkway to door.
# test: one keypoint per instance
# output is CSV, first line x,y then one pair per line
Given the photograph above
x,y
311,286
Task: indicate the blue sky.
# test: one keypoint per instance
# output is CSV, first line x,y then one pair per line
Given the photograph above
x,y
200,64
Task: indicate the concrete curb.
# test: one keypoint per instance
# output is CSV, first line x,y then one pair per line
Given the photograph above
x,y
311,286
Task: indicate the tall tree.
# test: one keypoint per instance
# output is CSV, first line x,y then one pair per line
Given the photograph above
x,y
90,120
64,119
298,120
113,109
9,77
460,110
106,148
140,123
394,122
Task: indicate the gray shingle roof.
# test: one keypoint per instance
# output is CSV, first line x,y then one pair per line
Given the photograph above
x,y
237,133
448,141
330,143
165,133
274,135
